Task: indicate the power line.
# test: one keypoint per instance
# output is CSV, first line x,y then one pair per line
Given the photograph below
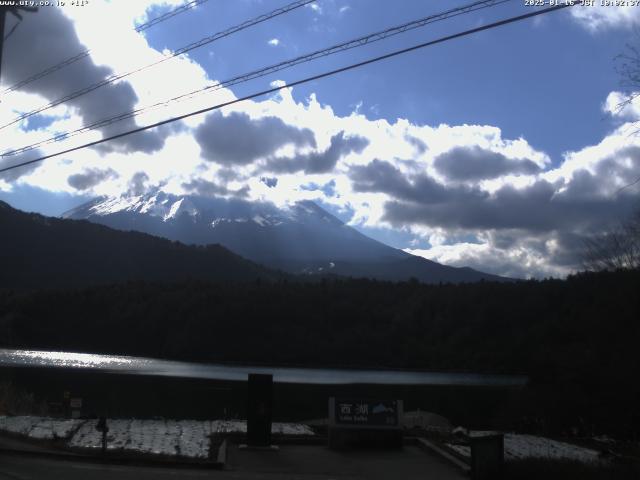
x,y
170,14
204,41
81,55
358,42
628,185
48,71
297,82
13,29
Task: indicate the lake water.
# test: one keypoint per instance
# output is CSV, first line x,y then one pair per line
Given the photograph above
x,y
321,376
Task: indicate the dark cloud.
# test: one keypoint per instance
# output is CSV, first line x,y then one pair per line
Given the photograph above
x,y
320,162
270,182
228,174
12,175
475,163
624,164
138,184
418,144
49,37
569,249
90,178
540,207
205,188
536,208
238,140
148,141
516,219
381,176
504,239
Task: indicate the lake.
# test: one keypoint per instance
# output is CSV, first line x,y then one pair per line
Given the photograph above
x,y
125,365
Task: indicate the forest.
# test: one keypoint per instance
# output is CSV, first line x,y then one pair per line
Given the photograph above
x,y
577,339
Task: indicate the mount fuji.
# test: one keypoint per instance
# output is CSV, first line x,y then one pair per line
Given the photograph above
x,y
301,238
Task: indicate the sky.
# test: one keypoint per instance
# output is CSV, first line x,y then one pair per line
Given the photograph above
x,y
502,151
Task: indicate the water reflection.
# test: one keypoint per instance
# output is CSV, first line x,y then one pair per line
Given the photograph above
x,y
168,368
62,359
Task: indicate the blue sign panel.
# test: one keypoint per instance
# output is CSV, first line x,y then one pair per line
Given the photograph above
x,y
380,413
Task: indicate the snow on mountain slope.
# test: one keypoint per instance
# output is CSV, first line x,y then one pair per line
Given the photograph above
x,y
258,231
299,238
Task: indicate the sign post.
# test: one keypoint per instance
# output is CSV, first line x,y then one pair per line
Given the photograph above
x,y
259,410
66,398
487,457
102,427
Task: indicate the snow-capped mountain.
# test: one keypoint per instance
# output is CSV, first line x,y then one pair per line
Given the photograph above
x,y
302,233
300,238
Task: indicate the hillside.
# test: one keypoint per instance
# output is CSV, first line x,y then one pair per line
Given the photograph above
x,y
44,252
301,238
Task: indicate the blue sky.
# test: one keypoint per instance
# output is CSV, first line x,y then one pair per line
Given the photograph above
x,y
500,151
544,80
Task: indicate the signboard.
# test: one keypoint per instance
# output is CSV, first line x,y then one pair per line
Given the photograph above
x,y
365,423
366,413
75,403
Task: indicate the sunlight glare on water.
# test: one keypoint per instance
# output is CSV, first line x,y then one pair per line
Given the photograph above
x,y
172,368
64,359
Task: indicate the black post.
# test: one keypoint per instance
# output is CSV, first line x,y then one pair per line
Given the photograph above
x,y
15,10
104,429
487,457
259,410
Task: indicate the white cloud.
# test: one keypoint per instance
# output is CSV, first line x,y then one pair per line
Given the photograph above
x,y
618,105
274,42
598,17
529,213
519,261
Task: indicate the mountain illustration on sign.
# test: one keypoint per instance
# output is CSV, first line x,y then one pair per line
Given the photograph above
x,y
381,408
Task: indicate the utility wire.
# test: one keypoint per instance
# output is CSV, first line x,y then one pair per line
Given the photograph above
x,y
358,42
628,185
13,29
176,11
297,82
181,51
81,55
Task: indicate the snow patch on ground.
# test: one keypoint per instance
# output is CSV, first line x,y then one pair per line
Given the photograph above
x,y
42,428
291,429
184,438
517,446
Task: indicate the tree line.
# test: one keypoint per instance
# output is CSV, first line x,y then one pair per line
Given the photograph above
x,y
577,338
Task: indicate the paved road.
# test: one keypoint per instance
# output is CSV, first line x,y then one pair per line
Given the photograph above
x,y
291,462
319,462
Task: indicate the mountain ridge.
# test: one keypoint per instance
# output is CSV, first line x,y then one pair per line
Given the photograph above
x,y
301,238
44,252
